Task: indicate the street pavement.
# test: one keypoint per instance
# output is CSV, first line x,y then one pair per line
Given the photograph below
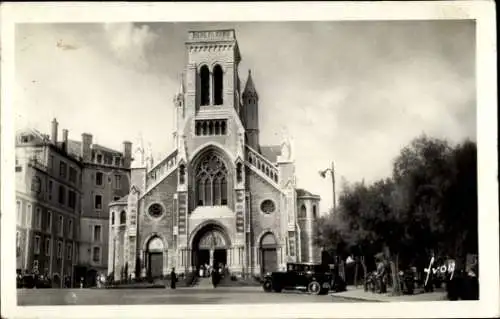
x,y
166,296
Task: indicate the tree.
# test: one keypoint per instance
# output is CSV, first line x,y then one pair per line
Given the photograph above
x,y
428,207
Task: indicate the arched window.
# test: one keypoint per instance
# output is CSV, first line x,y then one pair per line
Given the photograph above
x,y
198,128
123,217
112,218
239,172
223,128
211,175
218,85
182,174
303,211
217,128
205,85
315,213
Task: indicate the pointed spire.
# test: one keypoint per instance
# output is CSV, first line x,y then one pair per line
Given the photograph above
x,y
181,86
249,86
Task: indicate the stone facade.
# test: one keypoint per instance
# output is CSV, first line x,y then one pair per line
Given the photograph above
x,y
48,201
220,197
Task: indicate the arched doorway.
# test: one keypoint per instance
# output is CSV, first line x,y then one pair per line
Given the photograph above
x,y
210,246
268,253
154,257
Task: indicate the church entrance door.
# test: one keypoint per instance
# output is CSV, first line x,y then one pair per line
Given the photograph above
x,y
154,257
269,255
155,264
210,246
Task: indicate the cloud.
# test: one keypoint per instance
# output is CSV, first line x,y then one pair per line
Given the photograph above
x,y
130,43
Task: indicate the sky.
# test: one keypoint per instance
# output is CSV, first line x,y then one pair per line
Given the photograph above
x,y
353,92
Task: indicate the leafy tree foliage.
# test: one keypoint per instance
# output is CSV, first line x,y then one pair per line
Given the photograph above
x,y
427,207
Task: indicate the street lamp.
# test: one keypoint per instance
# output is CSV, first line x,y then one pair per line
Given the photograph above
x,y
332,173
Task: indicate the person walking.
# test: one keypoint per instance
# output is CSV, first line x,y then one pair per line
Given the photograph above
x,y
215,277
173,279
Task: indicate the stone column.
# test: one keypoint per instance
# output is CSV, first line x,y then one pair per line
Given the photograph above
x,y
189,257
211,89
229,256
212,257
165,262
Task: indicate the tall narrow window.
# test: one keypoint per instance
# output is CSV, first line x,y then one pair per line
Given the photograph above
x,y
97,232
18,212
60,226
29,213
204,85
47,247
69,251
59,249
50,190
217,192
201,193
112,218
38,218
48,226
123,217
218,85
223,188
98,202
223,128
62,193
70,228
37,244
118,182
208,192
303,211
98,178
96,254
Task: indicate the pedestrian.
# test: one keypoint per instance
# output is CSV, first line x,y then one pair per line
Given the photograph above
x,y
173,279
215,277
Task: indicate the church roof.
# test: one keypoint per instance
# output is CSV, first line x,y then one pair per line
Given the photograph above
x,y
271,152
304,193
249,86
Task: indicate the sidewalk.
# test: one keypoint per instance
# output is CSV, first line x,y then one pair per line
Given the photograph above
x,y
361,295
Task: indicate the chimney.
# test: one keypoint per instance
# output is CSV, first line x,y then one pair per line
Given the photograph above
x,y
65,140
127,153
86,143
53,137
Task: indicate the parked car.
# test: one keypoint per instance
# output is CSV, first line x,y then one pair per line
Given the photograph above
x,y
313,278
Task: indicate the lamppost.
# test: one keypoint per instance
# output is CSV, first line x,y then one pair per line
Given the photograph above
x,y
332,174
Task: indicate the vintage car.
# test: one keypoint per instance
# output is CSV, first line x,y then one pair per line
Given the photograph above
x,y
313,278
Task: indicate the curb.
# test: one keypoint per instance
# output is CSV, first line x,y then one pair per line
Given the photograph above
x,y
357,298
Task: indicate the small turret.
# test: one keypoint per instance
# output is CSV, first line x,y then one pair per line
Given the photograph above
x,y
250,113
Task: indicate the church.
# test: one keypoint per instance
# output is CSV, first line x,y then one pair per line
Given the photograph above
x,y
220,197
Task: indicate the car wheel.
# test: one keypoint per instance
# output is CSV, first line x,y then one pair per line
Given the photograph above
x,y
268,286
314,288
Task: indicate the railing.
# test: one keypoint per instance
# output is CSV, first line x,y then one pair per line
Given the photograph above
x,y
262,164
161,169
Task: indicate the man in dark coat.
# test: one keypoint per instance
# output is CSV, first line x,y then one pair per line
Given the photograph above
x,y
215,277
173,279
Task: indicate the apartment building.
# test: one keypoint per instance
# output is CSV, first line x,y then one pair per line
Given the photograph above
x,y
48,204
63,189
